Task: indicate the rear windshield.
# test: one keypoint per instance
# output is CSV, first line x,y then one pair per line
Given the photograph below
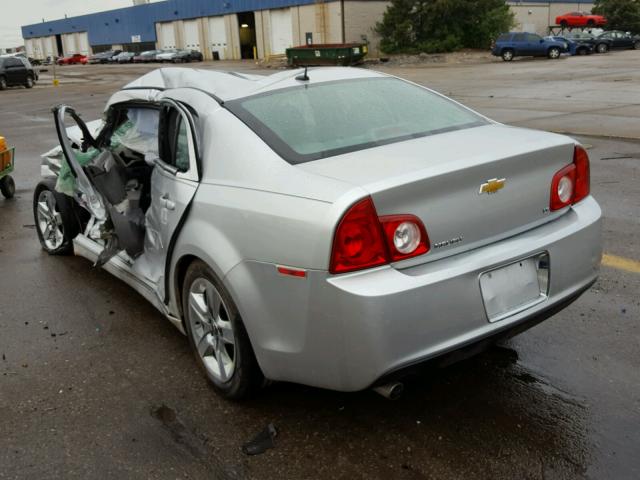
x,y
310,122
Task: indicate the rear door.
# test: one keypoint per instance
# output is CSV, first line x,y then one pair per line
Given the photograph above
x,y
174,182
626,40
520,44
535,45
16,71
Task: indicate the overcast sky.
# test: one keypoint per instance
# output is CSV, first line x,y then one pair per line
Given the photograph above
x,y
16,13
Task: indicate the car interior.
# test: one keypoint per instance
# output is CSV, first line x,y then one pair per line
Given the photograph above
x,y
120,162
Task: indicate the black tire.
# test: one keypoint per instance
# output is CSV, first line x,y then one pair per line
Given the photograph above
x,y
591,23
7,186
507,54
564,24
29,82
3,83
554,53
247,378
602,48
70,224
636,45
582,51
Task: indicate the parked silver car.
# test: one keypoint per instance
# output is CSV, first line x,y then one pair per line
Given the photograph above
x,y
335,229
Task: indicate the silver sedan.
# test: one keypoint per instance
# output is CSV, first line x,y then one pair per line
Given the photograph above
x,y
337,227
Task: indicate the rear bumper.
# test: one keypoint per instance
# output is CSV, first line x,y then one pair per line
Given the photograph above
x,y
348,332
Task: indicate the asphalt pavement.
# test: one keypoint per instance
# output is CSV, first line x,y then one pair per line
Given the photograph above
x,y
94,383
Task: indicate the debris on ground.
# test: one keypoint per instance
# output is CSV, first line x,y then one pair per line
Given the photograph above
x,y
262,442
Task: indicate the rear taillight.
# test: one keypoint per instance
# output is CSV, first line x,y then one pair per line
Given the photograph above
x,y
406,236
583,180
571,184
364,240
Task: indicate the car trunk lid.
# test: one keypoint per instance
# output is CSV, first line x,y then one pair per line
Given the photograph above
x,y
469,187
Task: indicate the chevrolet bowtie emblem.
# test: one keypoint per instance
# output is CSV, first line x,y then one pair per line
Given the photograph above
x,y
492,186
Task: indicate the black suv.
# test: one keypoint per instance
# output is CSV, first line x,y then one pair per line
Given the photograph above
x,y
16,71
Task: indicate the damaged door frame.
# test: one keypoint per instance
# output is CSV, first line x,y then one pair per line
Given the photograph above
x,y
93,201
90,198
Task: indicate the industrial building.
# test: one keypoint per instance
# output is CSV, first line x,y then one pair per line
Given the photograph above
x,y
237,29
220,29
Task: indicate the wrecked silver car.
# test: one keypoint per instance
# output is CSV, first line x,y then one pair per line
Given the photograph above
x,y
335,227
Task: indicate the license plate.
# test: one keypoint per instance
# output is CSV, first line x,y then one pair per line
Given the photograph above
x,y
515,287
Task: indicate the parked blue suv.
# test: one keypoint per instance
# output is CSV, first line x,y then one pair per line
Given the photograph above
x,y
523,44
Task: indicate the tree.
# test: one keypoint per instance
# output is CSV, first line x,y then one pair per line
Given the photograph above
x,y
620,14
412,26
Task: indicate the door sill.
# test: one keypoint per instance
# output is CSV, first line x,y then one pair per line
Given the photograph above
x,y
119,268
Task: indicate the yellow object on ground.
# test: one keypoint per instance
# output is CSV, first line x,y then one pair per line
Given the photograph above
x,y
621,263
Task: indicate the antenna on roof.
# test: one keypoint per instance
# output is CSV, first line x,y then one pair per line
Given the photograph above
x,y
304,77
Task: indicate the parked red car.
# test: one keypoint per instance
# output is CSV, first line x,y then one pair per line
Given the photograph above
x,y
74,59
580,19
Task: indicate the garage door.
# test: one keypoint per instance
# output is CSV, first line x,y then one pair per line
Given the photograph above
x,y
167,36
281,30
48,46
38,48
192,35
69,43
218,37
28,45
83,43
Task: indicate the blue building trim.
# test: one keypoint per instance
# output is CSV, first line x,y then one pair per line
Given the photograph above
x,y
118,26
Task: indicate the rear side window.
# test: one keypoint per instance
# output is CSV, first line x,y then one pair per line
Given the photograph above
x,y
519,37
175,139
310,122
504,37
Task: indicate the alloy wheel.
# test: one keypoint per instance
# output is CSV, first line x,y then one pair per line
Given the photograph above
x,y
50,220
212,330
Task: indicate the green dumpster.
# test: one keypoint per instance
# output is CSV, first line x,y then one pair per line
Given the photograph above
x,y
327,54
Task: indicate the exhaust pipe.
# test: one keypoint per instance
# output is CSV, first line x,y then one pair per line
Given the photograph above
x,y
390,391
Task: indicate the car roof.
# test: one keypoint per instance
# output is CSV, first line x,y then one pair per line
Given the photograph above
x,y
227,86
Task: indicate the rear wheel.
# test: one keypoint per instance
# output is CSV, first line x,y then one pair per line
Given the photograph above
x,y
217,335
55,219
7,186
507,55
553,53
29,82
636,45
582,51
602,48
591,23
3,83
564,24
